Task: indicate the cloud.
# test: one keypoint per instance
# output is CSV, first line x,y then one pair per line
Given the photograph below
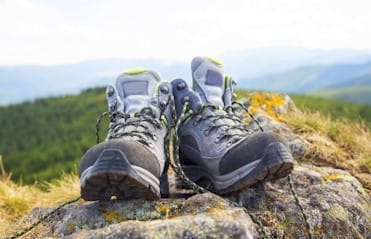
x,y
51,32
32,32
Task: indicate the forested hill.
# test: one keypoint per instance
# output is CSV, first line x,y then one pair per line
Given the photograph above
x,y
40,139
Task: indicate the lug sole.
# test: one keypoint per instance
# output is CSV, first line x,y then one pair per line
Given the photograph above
x,y
113,176
276,163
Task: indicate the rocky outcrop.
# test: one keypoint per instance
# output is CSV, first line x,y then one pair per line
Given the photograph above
x,y
324,202
314,202
199,216
331,204
319,201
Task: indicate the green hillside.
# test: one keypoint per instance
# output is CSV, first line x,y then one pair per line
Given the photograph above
x,y
360,94
334,108
39,140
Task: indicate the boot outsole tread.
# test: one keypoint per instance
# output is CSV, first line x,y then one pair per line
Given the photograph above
x,y
113,176
275,164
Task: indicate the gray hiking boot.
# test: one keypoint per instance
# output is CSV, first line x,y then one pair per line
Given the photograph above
x,y
130,162
217,150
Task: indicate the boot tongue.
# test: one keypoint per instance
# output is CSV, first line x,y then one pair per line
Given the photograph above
x,y
136,88
208,80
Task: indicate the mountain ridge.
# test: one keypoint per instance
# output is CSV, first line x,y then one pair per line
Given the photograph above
x,y
29,82
319,78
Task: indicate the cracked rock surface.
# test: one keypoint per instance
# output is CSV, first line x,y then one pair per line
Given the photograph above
x,y
319,201
334,202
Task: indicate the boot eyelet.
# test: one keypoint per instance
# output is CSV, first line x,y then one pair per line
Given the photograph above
x,y
181,86
112,106
164,90
196,120
110,93
186,99
162,104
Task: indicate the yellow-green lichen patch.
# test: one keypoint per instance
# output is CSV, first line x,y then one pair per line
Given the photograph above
x,y
337,176
112,217
338,212
217,208
266,103
168,209
71,227
334,176
203,203
164,208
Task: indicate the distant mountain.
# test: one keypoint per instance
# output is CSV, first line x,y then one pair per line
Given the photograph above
x,y
350,82
253,63
360,81
21,83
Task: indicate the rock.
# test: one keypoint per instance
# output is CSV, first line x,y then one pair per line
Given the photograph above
x,y
267,109
334,203
321,202
199,216
272,104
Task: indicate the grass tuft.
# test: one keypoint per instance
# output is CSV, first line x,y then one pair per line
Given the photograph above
x,y
16,199
339,143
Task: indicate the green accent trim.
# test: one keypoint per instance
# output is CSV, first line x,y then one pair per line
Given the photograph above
x,y
136,71
164,119
216,61
155,91
228,79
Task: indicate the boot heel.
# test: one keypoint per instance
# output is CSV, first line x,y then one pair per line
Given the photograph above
x,y
192,174
164,183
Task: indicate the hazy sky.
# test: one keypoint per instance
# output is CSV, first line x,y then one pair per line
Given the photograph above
x,y
61,31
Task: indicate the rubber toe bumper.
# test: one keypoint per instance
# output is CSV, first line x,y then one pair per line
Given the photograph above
x,y
112,175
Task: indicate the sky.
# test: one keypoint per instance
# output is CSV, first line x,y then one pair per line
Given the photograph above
x,y
57,32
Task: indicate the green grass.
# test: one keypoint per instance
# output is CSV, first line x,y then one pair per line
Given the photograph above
x,y
334,109
360,94
40,139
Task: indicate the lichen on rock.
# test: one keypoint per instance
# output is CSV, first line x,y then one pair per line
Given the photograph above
x,y
320,201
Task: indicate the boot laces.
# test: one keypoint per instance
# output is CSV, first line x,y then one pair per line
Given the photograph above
x,y
141,126
222,120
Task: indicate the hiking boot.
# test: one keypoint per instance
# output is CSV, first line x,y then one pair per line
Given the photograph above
x,y
130,162
217,150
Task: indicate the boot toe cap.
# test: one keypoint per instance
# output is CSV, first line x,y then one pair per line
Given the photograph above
x,y
247,151
136,153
